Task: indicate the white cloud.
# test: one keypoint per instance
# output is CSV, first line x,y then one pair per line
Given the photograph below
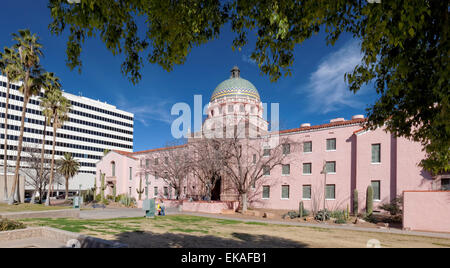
x,y
147,110
327,90
246,58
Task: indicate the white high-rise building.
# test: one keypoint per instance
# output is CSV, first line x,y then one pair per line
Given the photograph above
x,y
93,126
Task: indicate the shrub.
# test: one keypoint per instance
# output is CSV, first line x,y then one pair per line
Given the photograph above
x,y
322,215
98,197
394,207
8,225
110,197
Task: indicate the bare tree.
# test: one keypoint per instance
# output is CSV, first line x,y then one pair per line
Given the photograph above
x,y
37,172
248,160
172,166
207,162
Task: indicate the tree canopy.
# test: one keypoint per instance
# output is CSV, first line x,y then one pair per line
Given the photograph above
x,y
404,45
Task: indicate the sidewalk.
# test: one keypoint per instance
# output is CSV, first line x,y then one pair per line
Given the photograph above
x,y
326,226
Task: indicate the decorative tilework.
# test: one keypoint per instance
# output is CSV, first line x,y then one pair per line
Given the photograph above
x,y
235,87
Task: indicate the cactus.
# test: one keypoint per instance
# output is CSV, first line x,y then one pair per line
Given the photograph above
x,y
125,200
140,191
369,200
103,187
347,214
300,209
355,202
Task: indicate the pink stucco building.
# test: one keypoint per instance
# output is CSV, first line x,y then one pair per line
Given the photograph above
x,y
341,152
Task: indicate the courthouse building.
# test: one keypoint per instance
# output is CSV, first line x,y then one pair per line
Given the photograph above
x,y
332,160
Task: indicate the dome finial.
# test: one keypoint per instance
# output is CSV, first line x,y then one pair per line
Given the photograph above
x,y
235,72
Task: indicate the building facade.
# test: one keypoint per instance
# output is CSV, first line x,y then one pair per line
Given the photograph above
x,y
93,126
324,166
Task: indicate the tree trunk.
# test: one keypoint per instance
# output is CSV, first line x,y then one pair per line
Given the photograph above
x,y
19,147
5,158
67,189
244,202
52,172
43,150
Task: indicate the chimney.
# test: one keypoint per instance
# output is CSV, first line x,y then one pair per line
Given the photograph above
x,y
340,119
358,116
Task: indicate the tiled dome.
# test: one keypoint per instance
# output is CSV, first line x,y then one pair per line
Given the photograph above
x,y
235,87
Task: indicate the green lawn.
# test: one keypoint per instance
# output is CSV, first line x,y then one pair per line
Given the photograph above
x,y
193,231
27,207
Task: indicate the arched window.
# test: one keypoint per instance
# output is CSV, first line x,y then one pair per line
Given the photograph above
x,y
113,168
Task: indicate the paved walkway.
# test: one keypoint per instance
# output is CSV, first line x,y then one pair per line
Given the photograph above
x,y
111,213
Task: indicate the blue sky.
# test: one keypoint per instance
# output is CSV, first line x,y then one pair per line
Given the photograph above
x,y
315,93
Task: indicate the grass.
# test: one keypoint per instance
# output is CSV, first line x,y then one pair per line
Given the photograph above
x,y
28,207
195,231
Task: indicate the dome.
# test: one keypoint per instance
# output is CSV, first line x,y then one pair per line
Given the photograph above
x,y
235,87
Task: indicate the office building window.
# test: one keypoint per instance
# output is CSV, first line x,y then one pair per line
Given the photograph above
x,y
285,192
307,168
306,191
266,192
376,157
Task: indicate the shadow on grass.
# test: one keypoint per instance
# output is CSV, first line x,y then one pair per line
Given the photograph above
x,y
140,239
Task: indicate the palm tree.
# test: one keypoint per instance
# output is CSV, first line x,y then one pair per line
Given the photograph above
x,y
51,83
8,66
58,111
68,167
30,73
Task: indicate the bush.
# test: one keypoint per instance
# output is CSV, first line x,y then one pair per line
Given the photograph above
x,y
339,215
394,207
322,215
295,214
110,197
98,198
8,225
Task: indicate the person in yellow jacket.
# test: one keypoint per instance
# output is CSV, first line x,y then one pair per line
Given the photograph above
x,y
158,208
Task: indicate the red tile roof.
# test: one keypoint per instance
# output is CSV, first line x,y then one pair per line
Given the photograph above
x,y
334,124
160,149
128,154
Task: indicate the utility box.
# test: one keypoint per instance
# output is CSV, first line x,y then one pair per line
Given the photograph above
x,y
148,205
77,201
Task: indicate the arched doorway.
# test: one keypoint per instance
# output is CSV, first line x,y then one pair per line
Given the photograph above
x,y
215,192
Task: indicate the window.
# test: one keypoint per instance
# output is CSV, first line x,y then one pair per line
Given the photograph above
x,y
166,191
131,173
266,152
307,168
376,190
285,192
266,171
241,108
155,193
147,163
166,160
254,158
230,108
331,167
331,144
286,169
445,184
307,147
266,192
330,191
376,157
156,161
113,169
286,149
306,191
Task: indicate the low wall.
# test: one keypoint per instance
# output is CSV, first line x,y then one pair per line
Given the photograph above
x,y
59,236
209,207
426,211
63,213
